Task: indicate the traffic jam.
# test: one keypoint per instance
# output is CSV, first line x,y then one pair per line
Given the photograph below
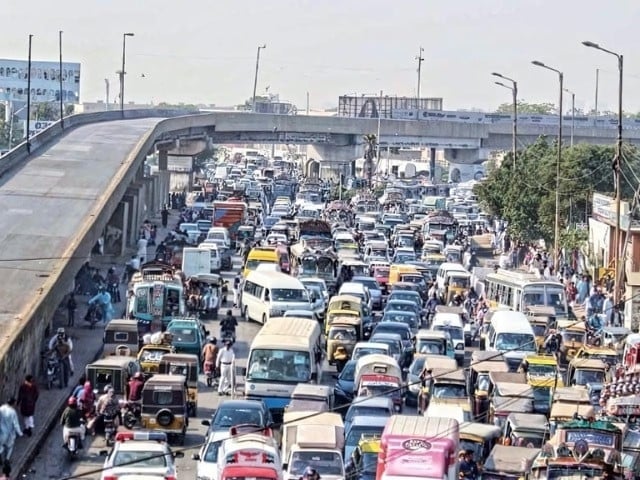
x,y
391,344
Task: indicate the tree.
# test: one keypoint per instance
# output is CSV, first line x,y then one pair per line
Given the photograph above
x,y
528,108
45,111
525,195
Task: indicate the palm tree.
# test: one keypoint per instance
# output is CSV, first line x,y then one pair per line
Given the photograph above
x,y
370,152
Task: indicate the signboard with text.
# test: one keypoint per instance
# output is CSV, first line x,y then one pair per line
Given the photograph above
x,y
45,81
604,210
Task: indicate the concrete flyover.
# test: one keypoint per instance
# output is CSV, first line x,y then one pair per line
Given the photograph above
x,y
85,177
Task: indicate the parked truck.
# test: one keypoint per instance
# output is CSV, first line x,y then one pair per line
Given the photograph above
x,y
313,439
231,215
198,260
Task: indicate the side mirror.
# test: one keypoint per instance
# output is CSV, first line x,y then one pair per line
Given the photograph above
x,y
206,423
195,456
181,455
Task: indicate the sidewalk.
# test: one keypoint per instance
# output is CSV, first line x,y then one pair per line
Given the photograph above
x,y
87,347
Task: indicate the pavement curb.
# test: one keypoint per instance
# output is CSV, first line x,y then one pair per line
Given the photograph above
x,y
48,421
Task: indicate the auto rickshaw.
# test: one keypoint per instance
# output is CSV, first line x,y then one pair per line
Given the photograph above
x,y
542,319
509,463
479,438
562,412
164,406
115,371
343,306
526,430
574,337
121,338
150,356
345,332
480,386
510,394
582,371
457,283
188,366
609,356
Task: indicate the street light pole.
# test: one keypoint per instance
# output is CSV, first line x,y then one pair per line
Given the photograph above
x,y
556,240
420,60
29,94
123,72
514,91
255,78
573,112
617,167
60,80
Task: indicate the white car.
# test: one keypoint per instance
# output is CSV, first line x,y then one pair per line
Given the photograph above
x,y
140,453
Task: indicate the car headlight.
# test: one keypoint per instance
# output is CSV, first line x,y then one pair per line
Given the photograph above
x,y
414,387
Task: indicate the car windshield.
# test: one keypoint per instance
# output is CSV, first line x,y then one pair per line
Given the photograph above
x,y
361,352
537,370
583,377
449,390
140,458
406,295
408,318
356,410
326,463
348,372
455,333
279,365
569,336
402,307
355,434
227,417
394,349
417,366
183,335
370,284
523,342
432,347
289,295
403,332
253,264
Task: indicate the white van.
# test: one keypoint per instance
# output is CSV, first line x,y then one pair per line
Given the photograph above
x,y
357,290
444,410
219,233
266,295
451,323
510,333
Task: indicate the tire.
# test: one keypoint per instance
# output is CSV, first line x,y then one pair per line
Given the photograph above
x,y
209,381
264,318
246,315
164,417
129,420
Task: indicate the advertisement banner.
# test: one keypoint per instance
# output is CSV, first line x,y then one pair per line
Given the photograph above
x,y
604,210
45,81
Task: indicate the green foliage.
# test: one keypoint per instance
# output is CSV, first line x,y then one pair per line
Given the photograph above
x,y
528,108
45,111
526,197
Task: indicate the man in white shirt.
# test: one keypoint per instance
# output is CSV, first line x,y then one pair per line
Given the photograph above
x,y
225,361
142,249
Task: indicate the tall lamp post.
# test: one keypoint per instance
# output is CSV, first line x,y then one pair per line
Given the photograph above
x,y
420,59
29,94
255,78
573,112
123,72
556,240
514,92
617,165
60,79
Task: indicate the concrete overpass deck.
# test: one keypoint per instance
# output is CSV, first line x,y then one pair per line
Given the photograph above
x,y
48,205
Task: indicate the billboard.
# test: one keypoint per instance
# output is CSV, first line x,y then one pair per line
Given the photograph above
x,y
45,81
369,106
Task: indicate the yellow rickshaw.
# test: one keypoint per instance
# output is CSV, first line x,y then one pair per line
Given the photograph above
x,y
150,356
457,283
479,438
482,365
121,338
345,332
342,306
164,406
542,319
188,366
574,336
584,371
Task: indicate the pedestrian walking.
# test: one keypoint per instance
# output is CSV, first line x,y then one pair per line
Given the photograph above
x,y
165,216
27,398
142,249
225,361
72,306
9,429
236,291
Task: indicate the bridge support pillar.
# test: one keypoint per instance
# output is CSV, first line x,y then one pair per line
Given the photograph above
x,y
164,177
149,197
464,164
334,156
115,237
163,160
432,165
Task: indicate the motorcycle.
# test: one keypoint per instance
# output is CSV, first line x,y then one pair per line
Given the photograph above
x,y
94,315
228,335
74,444
109,428
131,413
210,373
53,371
114,291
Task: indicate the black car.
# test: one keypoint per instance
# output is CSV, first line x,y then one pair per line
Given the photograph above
x,y
406,336
238,412
343,389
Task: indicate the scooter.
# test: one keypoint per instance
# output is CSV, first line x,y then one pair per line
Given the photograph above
x,y
53,371
228,335
131,414
74,445
94,315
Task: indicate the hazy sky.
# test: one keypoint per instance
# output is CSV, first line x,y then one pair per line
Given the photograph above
x,y
204,50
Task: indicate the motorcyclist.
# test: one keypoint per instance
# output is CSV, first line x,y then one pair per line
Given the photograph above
x,y
210,354
310,473
103,299
63,354
113,282
229,324
71,421
432,303
468,467
135,387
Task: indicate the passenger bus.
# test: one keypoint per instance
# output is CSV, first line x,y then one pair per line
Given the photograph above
x,y
520,290
285,352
